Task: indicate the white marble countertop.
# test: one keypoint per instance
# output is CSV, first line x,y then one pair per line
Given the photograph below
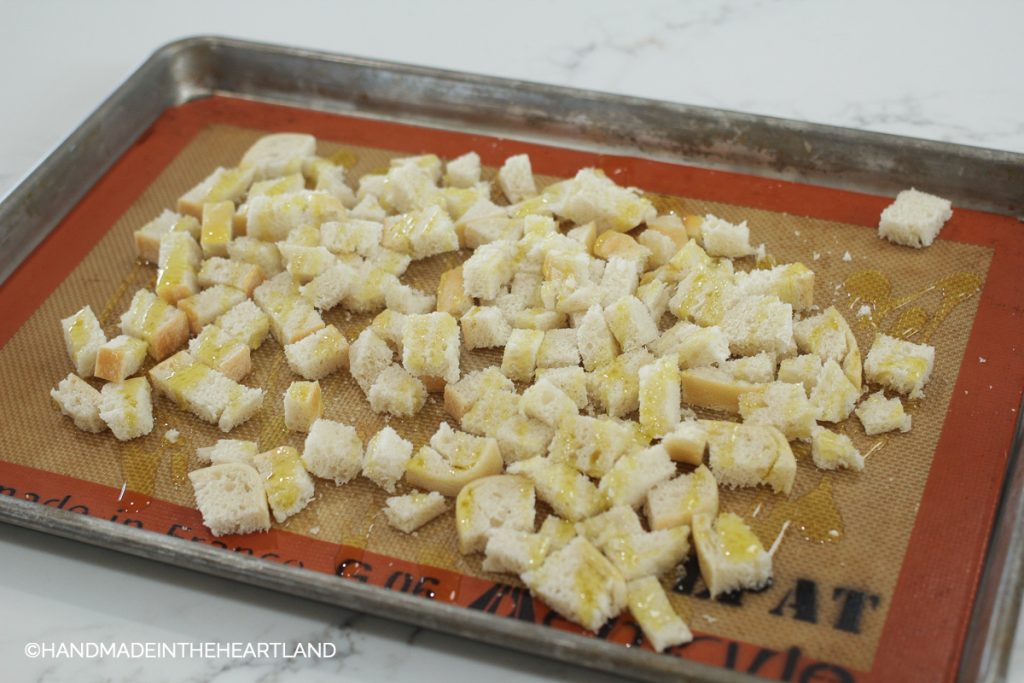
x,y
939,70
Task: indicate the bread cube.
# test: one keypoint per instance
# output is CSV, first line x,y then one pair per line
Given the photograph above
x,y
545,402
569,493
484,222
538,319
903,366
781,405
520,357
178,263
650,607
615,387
411,187
291,317
218,221
329,288
409,512
686,443
489,268
287,483
520,438
319,354
660,246
693,346
515,178
611,244
824,335
722,238
591,445
388,326
224,184
271,218
495,502
914,219
279,154
303,405
484,327
406,299
206,306
368,288
571,380
421,233
119,358
229,450
333,451
655,296
833,396
163,327
448,472
266,255
674,503
759,323
792,283
368,208
580,584
83,338
731,556
648,554
710,387
222,352
759,369
396,392
659,396
559,349
231,498
305,262
747,455
386,456
292,182
451,294
246,323
205,392
79,401
147,238
331,179
463,171
351,236
671,226
238,274
126,408
632,475
430,346
803,369
512,551
592,196
460,397
831,451
704,295
878,414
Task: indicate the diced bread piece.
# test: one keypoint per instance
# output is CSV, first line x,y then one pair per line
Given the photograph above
x,y
409,512
271,218
451,293
661,247
162,326
460,397
559,349
670,225
351,236
329,288
367,291
231,498
579,583
833,396
147,238
266,255
463,171
279,154
515,178
655,296
247,323
722,238
406,299
538,319
759,369
222,352
674,502
484,327
83,338
903,366
705,293
648,554
304,263
291,317
620,278
333,451
831,451
229,450
879,414
368,208
759,323
178,263
803,369
119,358
591,444
218,222
686,443
208,305
448,472
303,405
397,392
659,396
571,380
592,196
495,502
792,283
611,244
224,184
204,392
650,607
585,235
829,336
331,179
388,326
127,409
615,387
318,355
914,219
710,387
616,522
545,402
515,552
784,406
520,438
293,182
238,274
633,475
421,233
569,493
430,346
746,455
731,556
79,401
385,459
489,268
287,483
520,357
484,222
693,346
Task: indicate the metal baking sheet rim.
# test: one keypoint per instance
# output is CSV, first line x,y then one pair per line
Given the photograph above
x,y
197,67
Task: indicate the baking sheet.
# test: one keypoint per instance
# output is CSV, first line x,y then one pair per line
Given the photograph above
x,y
864,561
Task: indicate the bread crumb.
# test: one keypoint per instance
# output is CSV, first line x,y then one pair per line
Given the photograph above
x,y
756,510
815,256
124,487
778,539
708,618
846,256
796,232
172,435
833,533
982,359
314,530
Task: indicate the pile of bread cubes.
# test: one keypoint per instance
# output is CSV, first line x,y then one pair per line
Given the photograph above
x,y
590,410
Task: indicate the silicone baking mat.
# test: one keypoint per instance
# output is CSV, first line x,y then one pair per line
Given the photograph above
x,y
876,574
